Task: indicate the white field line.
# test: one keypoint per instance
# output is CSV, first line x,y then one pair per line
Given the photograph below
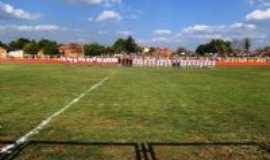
x,y
44,123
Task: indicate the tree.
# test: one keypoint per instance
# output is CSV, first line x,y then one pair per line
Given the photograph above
x,y
109,50
3,45
215,46
18,44
263,51
180,51
202,50
120,45
49,47
31,48
94,49
152,50
247,44
131,46
126,45
267,51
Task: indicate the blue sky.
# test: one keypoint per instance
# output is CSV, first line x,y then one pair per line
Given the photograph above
x,y
165,23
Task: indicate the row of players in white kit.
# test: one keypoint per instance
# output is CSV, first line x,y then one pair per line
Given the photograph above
x,y
152,62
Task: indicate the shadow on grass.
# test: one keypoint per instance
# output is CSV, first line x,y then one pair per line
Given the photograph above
x,y
142,151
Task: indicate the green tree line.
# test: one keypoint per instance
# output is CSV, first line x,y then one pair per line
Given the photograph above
x,y
32,46
127,45
121,45
224,48
50,47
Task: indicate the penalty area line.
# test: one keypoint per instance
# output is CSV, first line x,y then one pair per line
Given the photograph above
x,y
36,130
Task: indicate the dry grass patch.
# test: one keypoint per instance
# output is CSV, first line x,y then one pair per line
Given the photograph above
x,y
59,152
212,153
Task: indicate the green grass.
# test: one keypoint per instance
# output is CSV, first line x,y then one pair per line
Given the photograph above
x,y
30,93
135,104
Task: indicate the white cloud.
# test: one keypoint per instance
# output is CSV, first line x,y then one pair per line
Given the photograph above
x,y
243,26
202,33
162,32
97,2
29,28
132,17
160,39
196,28
211,36
10,11
92,2
124,33
132,14
260,2
102,32
90,19
226,32
203,29
108,15
259,15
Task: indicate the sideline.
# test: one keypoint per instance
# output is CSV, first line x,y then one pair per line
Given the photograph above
x,y
44,123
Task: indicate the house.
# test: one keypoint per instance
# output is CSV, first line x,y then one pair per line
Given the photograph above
x,y
3,52
40,53
71,50
16,54
162,52
146,50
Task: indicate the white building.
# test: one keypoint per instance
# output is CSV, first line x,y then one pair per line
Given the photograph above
x,y
16,54
3,52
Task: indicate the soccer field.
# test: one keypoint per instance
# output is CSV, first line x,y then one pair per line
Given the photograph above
x,y
135,105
